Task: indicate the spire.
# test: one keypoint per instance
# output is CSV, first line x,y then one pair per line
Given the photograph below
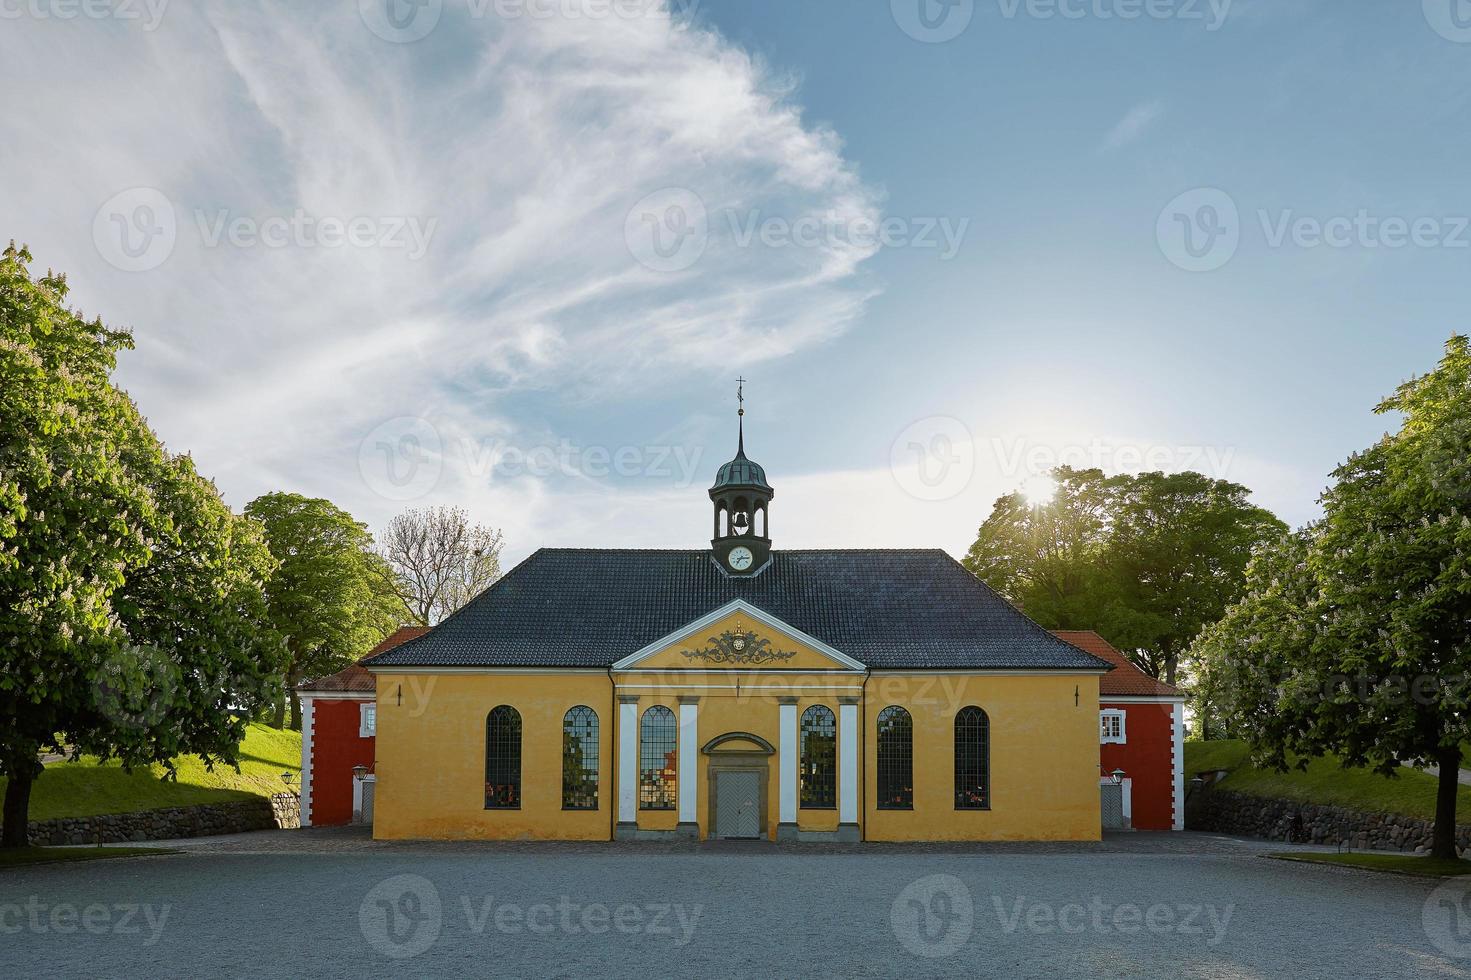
x,y
741,418
741,471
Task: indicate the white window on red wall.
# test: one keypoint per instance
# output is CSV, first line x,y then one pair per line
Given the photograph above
x,y
367,720
1111,727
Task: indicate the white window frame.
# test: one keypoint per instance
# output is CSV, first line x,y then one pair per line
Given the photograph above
x,y
366,728
1105,729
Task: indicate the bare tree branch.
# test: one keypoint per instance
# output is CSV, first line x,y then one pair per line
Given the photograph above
x,y
440,560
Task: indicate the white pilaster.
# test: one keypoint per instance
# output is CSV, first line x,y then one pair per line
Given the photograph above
x,y
787,805
689,759
847,763
1177,746
628,762
308,714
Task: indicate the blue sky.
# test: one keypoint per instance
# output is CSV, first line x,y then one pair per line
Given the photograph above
x,y
1034,299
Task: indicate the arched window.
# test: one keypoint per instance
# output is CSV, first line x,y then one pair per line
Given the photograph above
x,y
972,759
819,759
658,759
580,759
503,759
896,759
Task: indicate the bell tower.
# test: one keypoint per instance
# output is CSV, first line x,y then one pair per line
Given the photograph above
x,y
742,499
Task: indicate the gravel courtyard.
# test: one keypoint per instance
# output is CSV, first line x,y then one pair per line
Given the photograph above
x,y
338,905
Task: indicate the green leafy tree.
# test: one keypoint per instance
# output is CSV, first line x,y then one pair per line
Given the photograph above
x,y
1247,656
131,599
1177,553
1048,558
331,597
1355,635
1146,560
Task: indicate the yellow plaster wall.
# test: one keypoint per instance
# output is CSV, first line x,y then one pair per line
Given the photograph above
x,y
431,756
1044,757
1044,750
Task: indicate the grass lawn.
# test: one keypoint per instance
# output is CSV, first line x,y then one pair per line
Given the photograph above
x,y
85,789
1405,864
17,857
1410,792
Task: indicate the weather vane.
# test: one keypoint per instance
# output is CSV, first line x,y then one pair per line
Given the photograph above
x,y
740,396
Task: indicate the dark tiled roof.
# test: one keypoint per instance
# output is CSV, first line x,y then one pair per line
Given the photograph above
x,y
1125,679
591,608
355,678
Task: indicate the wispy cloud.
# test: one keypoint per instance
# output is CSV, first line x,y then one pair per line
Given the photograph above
x,y
521,145
1134,124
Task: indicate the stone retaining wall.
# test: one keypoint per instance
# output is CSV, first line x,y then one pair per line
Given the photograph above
x,y
281,810
1225,812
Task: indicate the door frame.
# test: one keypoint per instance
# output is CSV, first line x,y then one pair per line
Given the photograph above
x,y
726,756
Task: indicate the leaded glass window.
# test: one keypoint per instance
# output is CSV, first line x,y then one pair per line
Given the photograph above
x,y
895,759
819,759
580,759
658,760
972,759
503,759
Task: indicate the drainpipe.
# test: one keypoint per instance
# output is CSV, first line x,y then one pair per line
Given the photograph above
x,y
863,757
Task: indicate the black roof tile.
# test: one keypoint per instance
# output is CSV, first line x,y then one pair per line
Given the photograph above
x,y
888,609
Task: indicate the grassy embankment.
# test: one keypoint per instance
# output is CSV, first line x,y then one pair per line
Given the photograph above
x,y
84,788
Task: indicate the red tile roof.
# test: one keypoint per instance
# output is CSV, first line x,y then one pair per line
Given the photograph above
x,y
1125,679
356,678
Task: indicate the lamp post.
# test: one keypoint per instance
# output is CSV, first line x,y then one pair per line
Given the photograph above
x,y
359,773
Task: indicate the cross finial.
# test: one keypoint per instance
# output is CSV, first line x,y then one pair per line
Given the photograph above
x,y
741,416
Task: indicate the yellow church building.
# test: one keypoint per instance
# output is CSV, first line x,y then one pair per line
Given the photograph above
x,y
737,691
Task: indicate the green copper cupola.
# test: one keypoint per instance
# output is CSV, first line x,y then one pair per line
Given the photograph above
x,y
742,499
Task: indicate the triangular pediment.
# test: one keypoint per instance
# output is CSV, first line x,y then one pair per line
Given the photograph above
x,y
738,636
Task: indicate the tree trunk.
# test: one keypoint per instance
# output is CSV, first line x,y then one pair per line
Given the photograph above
x,y
17,810
1443,844
1172,666
288,696
295,701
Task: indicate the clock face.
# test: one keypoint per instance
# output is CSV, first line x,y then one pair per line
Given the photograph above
x,y
740,558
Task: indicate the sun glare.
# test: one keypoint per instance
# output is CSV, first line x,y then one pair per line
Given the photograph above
x,y
1039,490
